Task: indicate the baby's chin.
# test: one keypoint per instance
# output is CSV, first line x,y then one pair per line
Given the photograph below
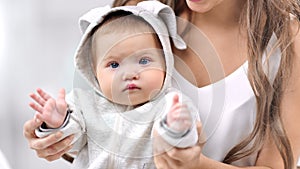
x,y
135,101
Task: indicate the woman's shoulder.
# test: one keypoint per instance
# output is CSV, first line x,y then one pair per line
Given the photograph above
x,y
295,29
291,96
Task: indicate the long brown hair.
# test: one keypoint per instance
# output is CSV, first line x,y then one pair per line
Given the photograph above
x,y
263,18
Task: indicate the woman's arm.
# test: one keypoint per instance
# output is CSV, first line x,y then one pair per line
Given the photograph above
x,y
190,158
290,109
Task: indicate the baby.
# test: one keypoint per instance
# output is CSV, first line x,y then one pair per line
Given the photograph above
x,y
125,55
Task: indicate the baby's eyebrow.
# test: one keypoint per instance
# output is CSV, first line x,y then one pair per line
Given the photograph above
x,y
109,58
121,56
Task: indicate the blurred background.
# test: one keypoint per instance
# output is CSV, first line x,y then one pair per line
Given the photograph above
x,y
37,42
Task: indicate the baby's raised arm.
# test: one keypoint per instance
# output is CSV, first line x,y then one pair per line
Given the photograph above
x,y
179,116
49,110
177,124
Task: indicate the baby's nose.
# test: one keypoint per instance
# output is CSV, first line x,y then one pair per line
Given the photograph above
x,y
131,75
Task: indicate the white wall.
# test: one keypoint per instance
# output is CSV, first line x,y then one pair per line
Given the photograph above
x,y
37,42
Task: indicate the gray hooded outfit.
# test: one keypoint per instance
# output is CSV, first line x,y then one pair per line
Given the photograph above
x,y
109,135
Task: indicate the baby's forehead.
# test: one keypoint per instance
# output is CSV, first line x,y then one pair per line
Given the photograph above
x,y
119,36
121,28
123,23
103,42
127,45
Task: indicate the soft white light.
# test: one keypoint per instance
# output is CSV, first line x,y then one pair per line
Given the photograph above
x,y
2,32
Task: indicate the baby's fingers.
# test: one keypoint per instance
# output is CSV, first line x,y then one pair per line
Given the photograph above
x,y
37,99
181,115
36,107
61,94
175,99
179,110
61,104
43,94
47,111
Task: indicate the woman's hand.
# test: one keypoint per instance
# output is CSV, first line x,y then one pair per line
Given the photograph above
x,y
176,158
51,147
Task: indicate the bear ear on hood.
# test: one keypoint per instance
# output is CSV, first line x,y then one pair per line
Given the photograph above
x,y
168,16
95,16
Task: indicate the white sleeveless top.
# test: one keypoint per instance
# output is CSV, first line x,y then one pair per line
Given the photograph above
x,y
227,108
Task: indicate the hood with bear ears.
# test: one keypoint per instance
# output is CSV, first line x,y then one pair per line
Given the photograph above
x,y
162,19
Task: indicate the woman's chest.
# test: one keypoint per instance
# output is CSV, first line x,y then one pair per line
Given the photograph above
x,y
211,55
205,67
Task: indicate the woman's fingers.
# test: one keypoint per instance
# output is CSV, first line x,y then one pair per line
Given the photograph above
x,y
163,161
201,134
160,162
185,155
57,155
52,143
50,147
42,143
29,127
53,151
178,158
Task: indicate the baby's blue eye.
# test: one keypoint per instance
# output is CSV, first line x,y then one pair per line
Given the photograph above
x,y
114,65
144,61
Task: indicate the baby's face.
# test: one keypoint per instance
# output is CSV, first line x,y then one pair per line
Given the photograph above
x,y
132,70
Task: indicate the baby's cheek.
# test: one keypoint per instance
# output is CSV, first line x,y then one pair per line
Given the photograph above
x,y
153,93
106,87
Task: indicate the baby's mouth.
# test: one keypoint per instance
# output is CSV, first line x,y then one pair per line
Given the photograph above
x,y
132,86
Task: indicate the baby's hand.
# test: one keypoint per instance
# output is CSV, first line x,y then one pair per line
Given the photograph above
x,y
49,110
179,116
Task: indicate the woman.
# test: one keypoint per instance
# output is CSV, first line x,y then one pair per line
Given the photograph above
x,y
258,118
